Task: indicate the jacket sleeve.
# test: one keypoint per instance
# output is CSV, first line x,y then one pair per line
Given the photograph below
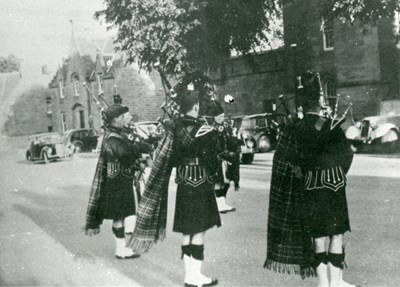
x,y
123,150
346,156
145,147
339,146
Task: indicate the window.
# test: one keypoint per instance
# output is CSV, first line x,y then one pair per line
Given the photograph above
x,y
327,34
75,80
261,122
50,129
48,105
100,82
329,87
82,119
396,22
64,122
61,88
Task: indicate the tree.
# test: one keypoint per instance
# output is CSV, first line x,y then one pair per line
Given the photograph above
x,y
368,12
198,35
186,36
9,64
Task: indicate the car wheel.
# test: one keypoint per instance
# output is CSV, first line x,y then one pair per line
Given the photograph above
x,y
78,147
264,144
29,158
393,144
45,158
247,158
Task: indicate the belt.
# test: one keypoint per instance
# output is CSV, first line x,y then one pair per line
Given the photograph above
x,y
190,161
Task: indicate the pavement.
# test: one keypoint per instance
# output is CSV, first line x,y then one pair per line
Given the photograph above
x,y
42,210
30,256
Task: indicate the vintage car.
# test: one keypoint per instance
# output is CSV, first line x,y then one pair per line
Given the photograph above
x,y
262,130
81,139
151,131
247,151
47,147
377,133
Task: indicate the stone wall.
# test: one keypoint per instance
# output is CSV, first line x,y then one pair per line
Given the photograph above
x,y
254,84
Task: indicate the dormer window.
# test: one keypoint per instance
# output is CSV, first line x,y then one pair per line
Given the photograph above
x,y
49,106
327,34
75,81
61,88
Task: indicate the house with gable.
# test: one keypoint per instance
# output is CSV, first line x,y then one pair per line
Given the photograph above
x,y
89,78
71,105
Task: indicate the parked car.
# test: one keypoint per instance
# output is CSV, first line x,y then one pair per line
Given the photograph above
x,y
47,147
262,130
377,133
247,151
151,131
81,139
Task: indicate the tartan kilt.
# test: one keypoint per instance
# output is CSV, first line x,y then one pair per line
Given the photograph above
x,y
117,199
196,207
327,212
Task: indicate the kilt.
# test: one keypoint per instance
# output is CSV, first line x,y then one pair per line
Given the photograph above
x,y
325,195
117,199
196,207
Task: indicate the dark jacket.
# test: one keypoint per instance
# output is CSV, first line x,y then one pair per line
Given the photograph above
x,y
204,147
322,146
118,156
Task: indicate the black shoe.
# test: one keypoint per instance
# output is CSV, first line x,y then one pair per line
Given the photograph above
x,y
232,209
133,256
212,283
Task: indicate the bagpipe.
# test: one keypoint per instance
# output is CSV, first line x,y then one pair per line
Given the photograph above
x,y
331,110
171,106
333,114
172,116
131,129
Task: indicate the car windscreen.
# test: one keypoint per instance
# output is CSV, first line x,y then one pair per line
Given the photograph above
x,y
248,124
53,138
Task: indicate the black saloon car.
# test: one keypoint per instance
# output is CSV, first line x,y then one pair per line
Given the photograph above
x,y
81,139
263,130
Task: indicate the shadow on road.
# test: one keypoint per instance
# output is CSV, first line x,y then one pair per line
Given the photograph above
x,y
374,216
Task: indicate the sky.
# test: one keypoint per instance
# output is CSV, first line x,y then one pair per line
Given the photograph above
x,y
39,31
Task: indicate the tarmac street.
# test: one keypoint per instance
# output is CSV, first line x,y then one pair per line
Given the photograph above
x,y
42,212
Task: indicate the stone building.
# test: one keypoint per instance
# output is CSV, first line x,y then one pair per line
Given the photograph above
x,y
256,85
362,64
89,78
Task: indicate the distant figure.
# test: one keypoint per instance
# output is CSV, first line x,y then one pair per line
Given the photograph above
x,y
229,165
